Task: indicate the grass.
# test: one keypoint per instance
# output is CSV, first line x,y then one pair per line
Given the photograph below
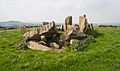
x,y
102,55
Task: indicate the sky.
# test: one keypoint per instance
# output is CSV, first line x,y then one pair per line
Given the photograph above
x,y
97,11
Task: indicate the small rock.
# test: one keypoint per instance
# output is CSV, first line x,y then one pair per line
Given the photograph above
x,y
43,38
54,45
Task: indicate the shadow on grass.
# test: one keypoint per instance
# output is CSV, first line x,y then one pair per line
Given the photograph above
x,y
91,40
96,33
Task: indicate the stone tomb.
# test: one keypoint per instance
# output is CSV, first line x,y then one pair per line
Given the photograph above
x,y
46,37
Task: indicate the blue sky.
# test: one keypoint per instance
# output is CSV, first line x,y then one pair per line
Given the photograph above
x,y
57,10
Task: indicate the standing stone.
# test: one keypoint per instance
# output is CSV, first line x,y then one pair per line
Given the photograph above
x,y
68,21
43,38
68,32
69,29
92,27
61,27
83,23
87,29
52,24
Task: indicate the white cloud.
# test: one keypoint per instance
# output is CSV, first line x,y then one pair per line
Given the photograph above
x,y
48,10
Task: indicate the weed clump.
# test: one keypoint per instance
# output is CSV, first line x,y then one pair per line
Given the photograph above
x,y
22,45
79,45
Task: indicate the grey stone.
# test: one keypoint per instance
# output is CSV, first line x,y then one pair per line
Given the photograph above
x,y
68,21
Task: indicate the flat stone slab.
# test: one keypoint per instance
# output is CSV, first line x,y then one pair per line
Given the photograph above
x,y
35,46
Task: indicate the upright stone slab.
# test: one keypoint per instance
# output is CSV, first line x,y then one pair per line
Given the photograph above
x,y
92,27
68,21
52,24
62,27
83,23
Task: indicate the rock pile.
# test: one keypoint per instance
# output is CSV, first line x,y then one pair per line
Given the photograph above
x,y
43,37
47,37
77,31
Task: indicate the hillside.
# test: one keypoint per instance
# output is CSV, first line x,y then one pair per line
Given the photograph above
x,y
11,24
101,55
15,24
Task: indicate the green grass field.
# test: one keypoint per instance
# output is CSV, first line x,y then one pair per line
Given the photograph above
x,y
101,55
